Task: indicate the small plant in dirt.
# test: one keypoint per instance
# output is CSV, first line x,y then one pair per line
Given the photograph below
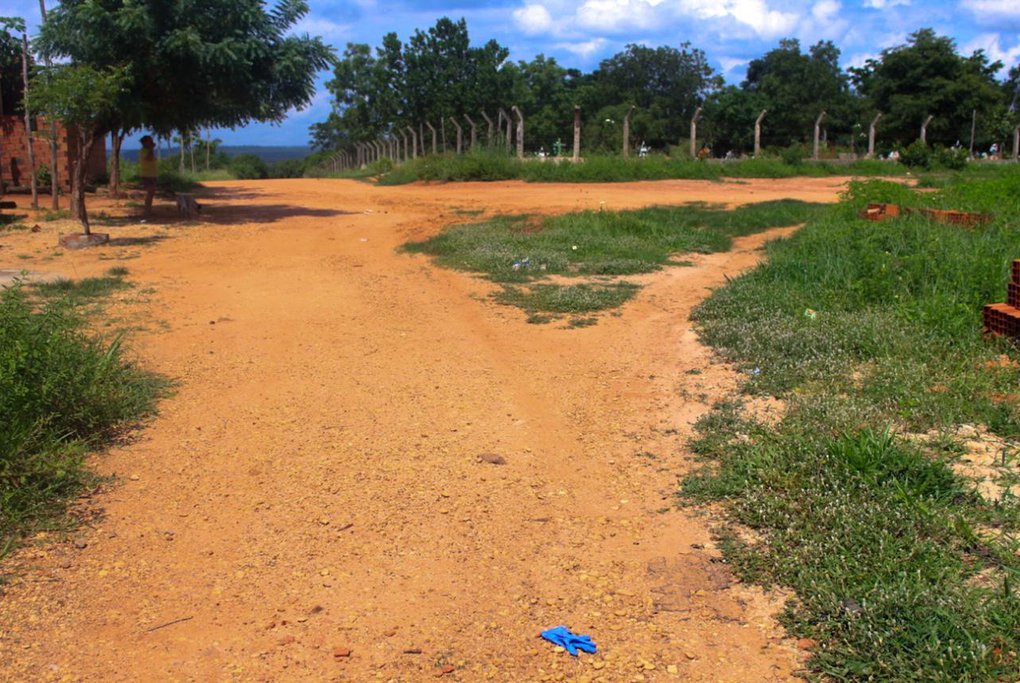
x,y
63,392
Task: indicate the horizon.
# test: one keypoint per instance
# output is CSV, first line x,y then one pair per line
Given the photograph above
x,y
581,33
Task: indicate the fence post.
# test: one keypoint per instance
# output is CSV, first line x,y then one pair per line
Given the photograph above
x,y
871,135
924,129
492,128
626,132
520,131
694,133
818,127
432,128
1016,143
577,134
757,132
474,132
414,143
460,135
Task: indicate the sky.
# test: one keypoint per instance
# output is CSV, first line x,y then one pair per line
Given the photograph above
x,y
580,33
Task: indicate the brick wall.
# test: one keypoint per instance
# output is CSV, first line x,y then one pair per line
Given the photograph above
x,y
14,152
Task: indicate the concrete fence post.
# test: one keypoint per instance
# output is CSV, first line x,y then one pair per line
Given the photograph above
x,y
474,131
694,133
414,143
492,127
460,135
871,135
757,132
520,131
577,134
818,128
626,132
432,128
924,129
1016,143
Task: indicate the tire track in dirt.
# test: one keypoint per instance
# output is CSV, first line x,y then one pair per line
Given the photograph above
x,y
314,486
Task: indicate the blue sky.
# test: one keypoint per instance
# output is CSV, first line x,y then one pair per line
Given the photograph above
x,y
579,33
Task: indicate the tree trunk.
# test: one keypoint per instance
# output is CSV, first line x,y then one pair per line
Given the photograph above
x,y
181,141
79,171
116,140
191,151
28,125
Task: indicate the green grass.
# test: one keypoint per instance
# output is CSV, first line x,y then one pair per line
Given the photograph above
x,y
491,165
63,393
524,249
881,540
76,292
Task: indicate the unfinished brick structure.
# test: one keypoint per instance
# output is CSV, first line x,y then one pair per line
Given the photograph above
x,y
1004,318
14,152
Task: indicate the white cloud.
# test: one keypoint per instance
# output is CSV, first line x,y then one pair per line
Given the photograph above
x,y
825,10
583,49
756,14
613,15
991,43
883,4
533,19
324,28
731,63
1002,8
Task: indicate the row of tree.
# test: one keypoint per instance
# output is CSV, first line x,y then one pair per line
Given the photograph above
x,y
437,74
163,66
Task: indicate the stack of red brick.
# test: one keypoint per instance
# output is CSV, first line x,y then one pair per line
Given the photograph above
x,y
1004,318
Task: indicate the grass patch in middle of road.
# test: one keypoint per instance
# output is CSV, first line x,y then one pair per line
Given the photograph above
x,y
518,250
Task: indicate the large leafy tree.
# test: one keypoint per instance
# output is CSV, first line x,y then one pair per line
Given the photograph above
x,y
185,65
436,75
666,85
11,84
927,77
795,87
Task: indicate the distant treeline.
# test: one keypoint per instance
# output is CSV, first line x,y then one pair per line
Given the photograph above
x,y
270,155
438,75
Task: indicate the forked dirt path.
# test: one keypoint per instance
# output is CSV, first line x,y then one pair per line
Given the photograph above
x,y
316,501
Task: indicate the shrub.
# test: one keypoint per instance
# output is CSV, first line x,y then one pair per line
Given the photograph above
x,y
249,167
916,155
792,155
952,158
61,392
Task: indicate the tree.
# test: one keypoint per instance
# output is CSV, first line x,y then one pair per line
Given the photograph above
x,y
795,87
12,86
665,84
85,100
926,77
729,118
219,63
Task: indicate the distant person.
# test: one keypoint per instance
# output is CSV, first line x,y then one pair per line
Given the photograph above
x,y
148,169
993,151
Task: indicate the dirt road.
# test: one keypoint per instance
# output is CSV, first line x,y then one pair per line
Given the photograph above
x,y
369,471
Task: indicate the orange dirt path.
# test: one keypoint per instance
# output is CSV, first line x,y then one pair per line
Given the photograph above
x,y
314,484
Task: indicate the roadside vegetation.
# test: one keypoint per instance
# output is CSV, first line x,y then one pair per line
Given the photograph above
x,y
531,255
64,391
864,497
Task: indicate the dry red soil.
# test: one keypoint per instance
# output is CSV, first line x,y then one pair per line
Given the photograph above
x,y
369,471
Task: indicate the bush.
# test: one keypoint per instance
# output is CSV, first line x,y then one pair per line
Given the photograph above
x,y
249,167
61,392
792,155
952,158
916,155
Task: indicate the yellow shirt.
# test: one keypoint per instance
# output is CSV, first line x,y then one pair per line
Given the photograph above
x,y
147,166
